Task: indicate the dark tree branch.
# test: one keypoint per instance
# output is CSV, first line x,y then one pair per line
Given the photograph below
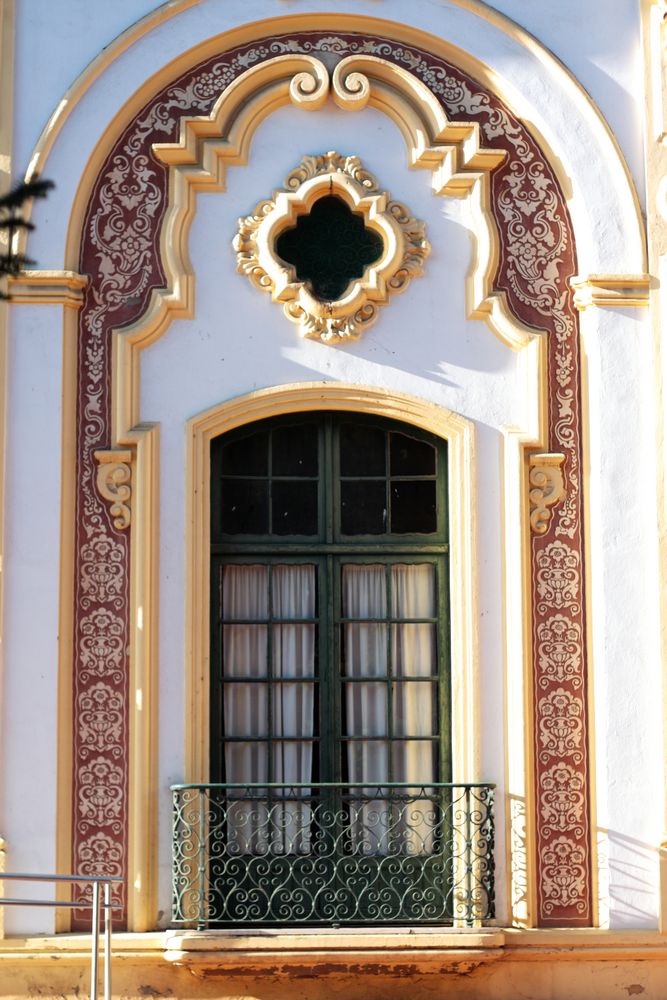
x,y
11,221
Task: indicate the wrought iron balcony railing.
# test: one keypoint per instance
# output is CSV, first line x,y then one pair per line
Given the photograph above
x,y
332,854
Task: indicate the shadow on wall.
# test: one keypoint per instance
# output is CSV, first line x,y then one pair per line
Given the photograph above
x,y
629,880
627,875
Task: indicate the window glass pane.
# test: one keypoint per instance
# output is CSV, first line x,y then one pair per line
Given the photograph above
x,y
414,761
365,650
363,508
413,651
413,590
292,709
246,456
294,508
292,762
364,591
366,709
414,708
329,247
368,761
244,651
245,507
294,591
246,762
362,451
294,450
413,508
411,457
245,592
246,713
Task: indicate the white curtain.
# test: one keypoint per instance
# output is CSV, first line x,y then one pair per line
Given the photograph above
x,y
413,654
257,826
373,650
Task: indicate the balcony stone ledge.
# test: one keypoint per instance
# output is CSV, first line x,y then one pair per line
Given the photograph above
x,y
317,952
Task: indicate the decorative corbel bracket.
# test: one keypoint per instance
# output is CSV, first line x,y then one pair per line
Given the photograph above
x,y
114,482
547,487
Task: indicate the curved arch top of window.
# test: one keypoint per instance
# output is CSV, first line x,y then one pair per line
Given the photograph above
x,y
397,238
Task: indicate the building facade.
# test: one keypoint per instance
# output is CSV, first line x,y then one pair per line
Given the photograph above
x,y
333,495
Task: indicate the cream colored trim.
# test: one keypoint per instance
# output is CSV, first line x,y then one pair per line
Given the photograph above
x,y
48,288
311,396
518,656
655,29
436,951
599,838
306,397
144,796
628,290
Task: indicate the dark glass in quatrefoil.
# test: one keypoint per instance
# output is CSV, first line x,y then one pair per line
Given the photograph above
x,y
329,248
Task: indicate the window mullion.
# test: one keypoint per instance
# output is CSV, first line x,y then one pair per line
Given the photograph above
x,y
443,658
334,713
269,674
390,674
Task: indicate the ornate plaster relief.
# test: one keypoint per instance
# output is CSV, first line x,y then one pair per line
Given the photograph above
x,y
403,256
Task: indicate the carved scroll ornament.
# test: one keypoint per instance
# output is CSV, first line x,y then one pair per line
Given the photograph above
x,y
547,487
114,482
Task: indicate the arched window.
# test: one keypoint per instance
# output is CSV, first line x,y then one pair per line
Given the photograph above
x,y
330,686
329,594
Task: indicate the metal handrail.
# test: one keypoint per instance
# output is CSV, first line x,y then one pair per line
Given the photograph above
x,y
101,888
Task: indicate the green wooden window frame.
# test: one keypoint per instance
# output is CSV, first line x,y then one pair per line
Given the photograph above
x,y
328,550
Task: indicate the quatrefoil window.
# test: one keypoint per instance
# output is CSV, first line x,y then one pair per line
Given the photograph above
x,y
331,247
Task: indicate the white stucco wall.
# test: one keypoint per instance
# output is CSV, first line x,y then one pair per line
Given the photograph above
x,y
28,721
463,367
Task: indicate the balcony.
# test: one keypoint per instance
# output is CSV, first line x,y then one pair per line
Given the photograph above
x,y
332,855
